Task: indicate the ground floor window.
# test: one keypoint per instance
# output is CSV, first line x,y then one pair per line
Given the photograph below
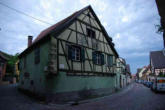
x,y
76,53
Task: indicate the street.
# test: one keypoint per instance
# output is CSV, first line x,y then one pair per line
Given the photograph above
x,y
134,97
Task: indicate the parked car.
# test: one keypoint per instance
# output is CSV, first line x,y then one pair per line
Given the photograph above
x,y
149,84
139,81
159,84
145,83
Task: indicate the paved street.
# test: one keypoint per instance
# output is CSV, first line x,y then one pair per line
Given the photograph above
x,y
135,97
11,99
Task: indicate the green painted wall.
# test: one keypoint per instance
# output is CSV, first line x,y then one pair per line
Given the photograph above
x,y
64,83
36,71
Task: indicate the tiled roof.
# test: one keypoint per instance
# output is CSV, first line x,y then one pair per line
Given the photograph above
x,y
5,55
158,59
122,61
58,27
53,27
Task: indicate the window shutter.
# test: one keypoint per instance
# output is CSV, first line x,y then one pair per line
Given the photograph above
x,y
82,54
37,55
94,57
102,59
111,60
108,60
70,52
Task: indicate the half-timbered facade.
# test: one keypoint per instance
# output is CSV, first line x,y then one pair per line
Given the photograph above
x,y
157,62
75,56
121,72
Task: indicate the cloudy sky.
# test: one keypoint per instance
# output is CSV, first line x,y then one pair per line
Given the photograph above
x,y
131,24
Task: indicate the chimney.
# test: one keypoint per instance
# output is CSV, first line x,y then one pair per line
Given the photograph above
x,y
30,38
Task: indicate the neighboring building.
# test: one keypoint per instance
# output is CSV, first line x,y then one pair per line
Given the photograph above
x,y
128,70
145,73
133,77
157,63
161,10
121,72
70,60
4,57
128,74
139,73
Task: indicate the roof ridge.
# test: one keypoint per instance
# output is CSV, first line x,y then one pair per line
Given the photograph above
x,y
58,23
5,55
61,25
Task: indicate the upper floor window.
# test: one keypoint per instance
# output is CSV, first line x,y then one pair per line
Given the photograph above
x,y
24,62
37,55
76,53
109,60
91,33
82,40
98,58
95,44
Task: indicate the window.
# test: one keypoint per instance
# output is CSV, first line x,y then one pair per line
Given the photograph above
x,y
91,33
76,53
26,75
37,55
82,40
24,62
95,44
31,82
109,60
98,58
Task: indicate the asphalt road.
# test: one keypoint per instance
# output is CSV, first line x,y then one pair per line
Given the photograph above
x,y
134,97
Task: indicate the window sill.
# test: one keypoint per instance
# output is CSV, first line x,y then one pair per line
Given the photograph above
x,y
76,60
98,64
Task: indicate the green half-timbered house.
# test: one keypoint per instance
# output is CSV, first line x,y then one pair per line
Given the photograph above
x,y
72,59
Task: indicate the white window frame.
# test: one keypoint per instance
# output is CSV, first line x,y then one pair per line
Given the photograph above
x,y
98,59
77,54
